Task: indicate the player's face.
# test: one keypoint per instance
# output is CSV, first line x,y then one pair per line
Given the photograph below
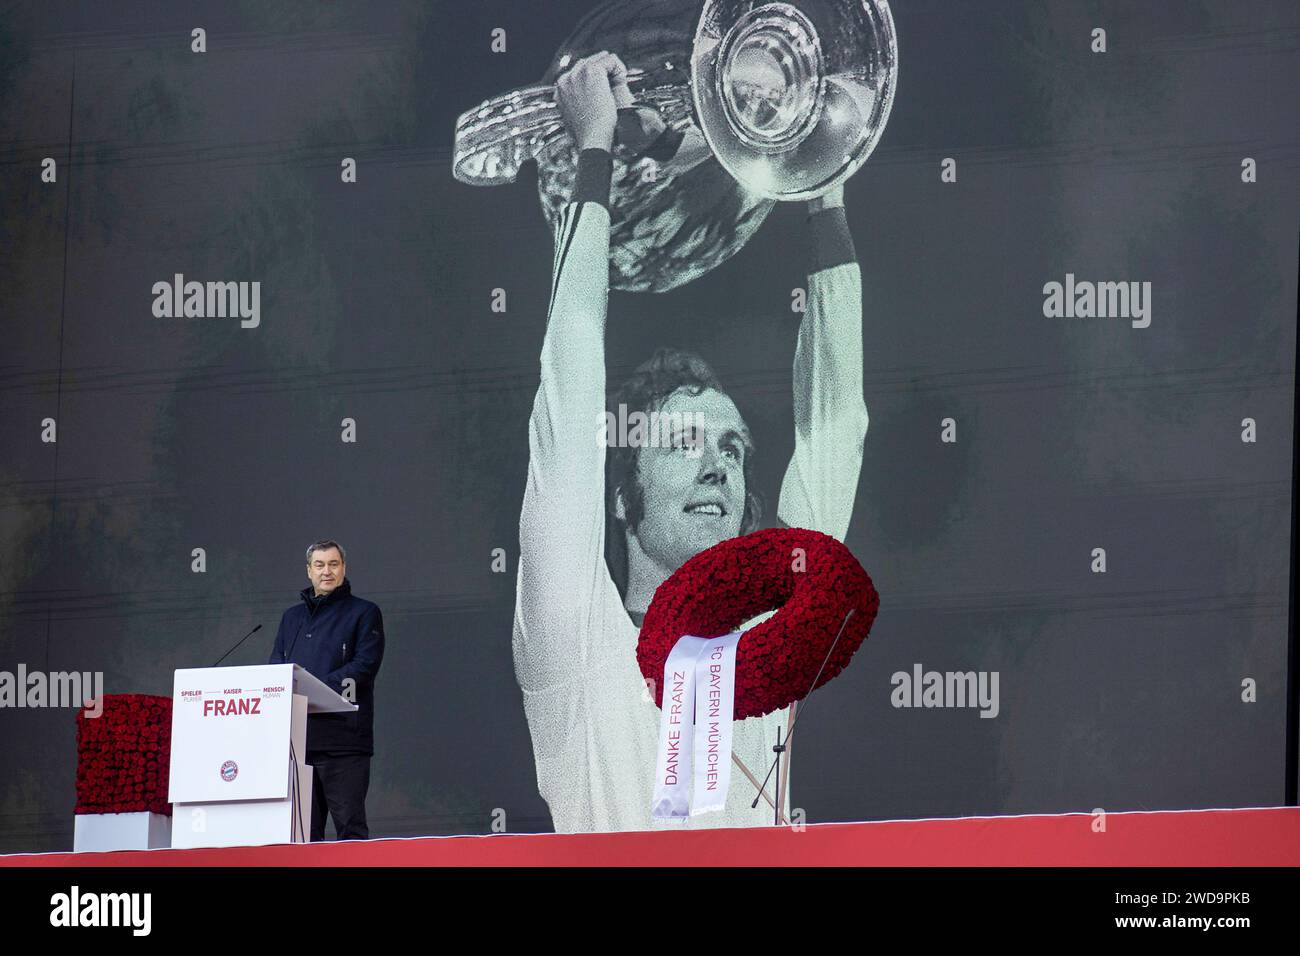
x,y
694,491
326,570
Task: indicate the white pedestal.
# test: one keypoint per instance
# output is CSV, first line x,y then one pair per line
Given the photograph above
x,y
120,831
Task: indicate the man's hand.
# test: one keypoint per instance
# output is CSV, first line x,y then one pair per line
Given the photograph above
x,y
589,95
831,200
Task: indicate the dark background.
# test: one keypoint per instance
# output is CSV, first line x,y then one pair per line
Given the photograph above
x,y
1120,690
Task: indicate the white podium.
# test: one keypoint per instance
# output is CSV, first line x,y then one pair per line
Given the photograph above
x,y
239,775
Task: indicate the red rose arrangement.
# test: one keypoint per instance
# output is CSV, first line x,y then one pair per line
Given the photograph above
x,y
124,755
814,580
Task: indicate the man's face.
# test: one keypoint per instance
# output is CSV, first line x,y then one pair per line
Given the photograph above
x,y
326,570
693,492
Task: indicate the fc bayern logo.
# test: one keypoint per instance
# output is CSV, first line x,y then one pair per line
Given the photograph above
x,y
229,771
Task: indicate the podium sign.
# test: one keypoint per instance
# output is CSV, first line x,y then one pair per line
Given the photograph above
x,y
239,773
230,733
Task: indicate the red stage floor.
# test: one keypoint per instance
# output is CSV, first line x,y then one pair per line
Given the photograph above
x,y
1262,837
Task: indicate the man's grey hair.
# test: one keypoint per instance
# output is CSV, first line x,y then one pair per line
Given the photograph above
x,y
325,546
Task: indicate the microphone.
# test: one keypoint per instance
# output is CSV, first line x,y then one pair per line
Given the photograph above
x,y
236,647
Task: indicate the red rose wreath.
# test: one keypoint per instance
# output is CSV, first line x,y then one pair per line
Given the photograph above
x,y
719,589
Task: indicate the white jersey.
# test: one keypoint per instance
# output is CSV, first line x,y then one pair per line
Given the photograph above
x,y
594,723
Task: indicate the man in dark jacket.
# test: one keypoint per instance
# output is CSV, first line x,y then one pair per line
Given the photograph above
x,y
338,638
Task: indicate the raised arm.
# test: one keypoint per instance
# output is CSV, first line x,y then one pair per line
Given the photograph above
x,y
830,416
562,524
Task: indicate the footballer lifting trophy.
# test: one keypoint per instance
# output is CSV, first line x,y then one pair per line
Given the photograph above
x,y
732,106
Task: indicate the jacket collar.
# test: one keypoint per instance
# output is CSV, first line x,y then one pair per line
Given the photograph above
x,y
308,595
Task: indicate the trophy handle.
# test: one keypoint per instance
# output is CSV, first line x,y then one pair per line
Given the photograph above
x,y
495,138
498,136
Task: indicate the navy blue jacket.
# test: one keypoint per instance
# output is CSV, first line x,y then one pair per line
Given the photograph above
x,y
341,638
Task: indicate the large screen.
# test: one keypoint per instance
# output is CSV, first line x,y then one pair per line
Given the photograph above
x,y
1041,388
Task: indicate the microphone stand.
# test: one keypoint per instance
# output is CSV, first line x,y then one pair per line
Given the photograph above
x,y
236,647
781,746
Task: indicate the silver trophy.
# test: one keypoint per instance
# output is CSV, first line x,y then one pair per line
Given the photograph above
x,y
736,104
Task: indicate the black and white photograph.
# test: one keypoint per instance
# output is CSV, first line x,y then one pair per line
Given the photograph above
x,y
649,433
